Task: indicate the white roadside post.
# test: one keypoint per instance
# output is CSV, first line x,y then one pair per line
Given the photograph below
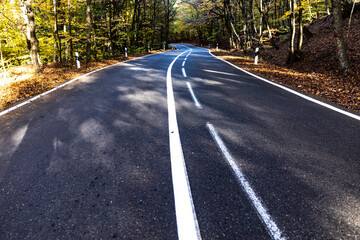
x,y
77,59
217,47
164,47
126,55
209,45
256,55
148,49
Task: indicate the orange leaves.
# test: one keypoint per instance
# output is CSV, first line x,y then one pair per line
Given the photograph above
x,y
342,88
23,85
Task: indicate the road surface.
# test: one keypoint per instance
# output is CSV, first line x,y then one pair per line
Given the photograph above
x,y
178,145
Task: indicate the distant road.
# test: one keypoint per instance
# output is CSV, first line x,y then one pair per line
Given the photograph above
x,y
178,145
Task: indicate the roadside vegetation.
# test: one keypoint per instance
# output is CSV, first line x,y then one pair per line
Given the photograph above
x,y
39,40
22,83
309,45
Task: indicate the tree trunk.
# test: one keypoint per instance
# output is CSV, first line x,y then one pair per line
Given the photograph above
x,y
227,21
287,8
31,34
236,34
2,60
94,26
245,23
327,7
88,34
110,43
252,17
153,25
56,31
301,30
339,36
291,56
134,30
71,54
261,22
310,14
167,30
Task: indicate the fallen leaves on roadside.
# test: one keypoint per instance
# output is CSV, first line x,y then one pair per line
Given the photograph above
x,y
342,88
23,85
316,73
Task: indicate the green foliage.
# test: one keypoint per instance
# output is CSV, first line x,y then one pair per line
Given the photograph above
x,y
134,49
11,34
209,21
115,25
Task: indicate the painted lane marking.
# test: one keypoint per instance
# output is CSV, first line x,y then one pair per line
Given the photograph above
x,y
67,83
187,224
262,212
183,72
196,101
225,73
349,114
183,64
189,53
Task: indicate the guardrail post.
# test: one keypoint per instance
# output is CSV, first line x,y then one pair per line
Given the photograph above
x,y
256,55
77,59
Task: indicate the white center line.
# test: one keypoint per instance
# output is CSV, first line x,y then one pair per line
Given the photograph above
x,y
188,54
225,73
183,64
271,226
187,224
196,101
183,72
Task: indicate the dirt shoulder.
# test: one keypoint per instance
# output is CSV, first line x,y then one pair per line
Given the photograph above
x,y
20,84
342,88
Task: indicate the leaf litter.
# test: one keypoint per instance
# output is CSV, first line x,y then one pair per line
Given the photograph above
x,y
20,84
316,73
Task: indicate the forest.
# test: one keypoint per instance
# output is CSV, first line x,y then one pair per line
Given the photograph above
x,y
53,30
246,24
44,32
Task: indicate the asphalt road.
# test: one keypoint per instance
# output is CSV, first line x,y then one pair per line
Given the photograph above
x,y
158,148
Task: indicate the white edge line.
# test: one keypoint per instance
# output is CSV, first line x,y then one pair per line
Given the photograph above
x,y
349,114
183,72
196,101
262,212
187,224
189,53
67,83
